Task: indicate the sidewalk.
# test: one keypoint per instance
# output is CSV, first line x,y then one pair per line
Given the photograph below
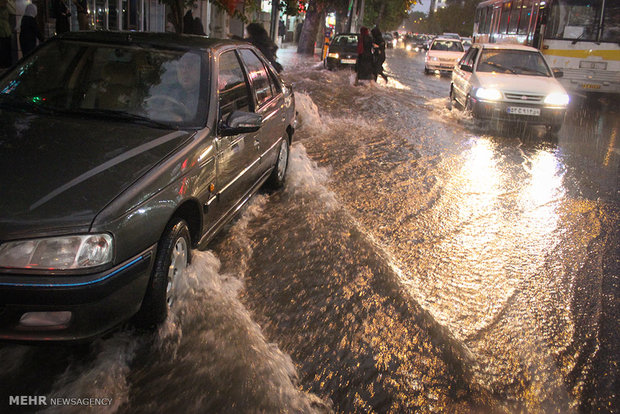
x,y
288,56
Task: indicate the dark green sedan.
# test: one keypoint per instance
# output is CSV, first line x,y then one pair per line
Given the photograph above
x,y
119,153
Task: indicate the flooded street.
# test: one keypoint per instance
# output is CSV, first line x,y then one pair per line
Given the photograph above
x,y
415,261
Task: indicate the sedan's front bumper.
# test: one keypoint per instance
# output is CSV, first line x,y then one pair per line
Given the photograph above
x,y
441,66
96,302
346,61
499,111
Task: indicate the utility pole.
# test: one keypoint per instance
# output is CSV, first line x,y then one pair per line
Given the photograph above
x,y
275,18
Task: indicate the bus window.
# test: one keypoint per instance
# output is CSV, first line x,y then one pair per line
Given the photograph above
x,y
574,19
487,20
611,23
514,17
503,20
524,21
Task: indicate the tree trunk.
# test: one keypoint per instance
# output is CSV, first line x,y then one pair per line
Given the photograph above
x,y
380,15
311,27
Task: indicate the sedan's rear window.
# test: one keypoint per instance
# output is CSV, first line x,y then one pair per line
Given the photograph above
x,y
518,62
122,81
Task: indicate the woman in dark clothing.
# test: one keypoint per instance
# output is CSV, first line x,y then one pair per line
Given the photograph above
x,y
61,14
258,37
364,65
29,31
378,52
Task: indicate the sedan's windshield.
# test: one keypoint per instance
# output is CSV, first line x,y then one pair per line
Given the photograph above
x,y
447,45
519,62
124,82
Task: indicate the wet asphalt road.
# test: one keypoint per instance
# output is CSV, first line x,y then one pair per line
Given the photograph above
x,y
414,262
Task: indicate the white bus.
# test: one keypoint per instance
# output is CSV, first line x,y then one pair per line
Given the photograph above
x,y
581,38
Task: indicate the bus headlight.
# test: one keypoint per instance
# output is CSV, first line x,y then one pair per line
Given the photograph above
x,y
488,94
557,99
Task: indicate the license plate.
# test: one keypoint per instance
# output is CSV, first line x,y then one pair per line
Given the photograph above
x,y
591,86
519,110
347,61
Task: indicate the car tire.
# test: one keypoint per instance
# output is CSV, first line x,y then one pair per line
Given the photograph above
x,y
173,257
278,174
454,103
554,129
469,107
426,71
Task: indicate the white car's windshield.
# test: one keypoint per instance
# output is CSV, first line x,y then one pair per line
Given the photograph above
x,y
447,45
518,62
126,82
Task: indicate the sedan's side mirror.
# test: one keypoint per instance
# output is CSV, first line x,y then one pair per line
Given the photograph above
x,y
240,122
558,73
466,68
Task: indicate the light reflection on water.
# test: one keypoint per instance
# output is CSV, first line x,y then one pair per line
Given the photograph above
x,y
487,233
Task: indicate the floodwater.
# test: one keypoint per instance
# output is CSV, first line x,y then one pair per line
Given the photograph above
x,y
415,261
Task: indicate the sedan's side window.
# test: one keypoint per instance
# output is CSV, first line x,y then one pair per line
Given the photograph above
x,y
467,58
258,75
232,86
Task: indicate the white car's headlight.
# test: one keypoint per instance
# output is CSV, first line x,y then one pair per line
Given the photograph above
x,y
333,55
408,47
557,99
488,94
434,58
58,253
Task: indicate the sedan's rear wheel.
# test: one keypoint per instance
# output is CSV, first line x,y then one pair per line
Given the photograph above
x,y
454,103
278,175
173,257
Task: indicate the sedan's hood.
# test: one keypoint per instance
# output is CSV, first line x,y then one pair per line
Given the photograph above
x,y
537,85
442,54
59,172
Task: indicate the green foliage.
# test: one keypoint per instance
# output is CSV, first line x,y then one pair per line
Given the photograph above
x,y
387,14
454,19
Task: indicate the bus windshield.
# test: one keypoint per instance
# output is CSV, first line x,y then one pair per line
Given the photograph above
x,y
574,19
516,62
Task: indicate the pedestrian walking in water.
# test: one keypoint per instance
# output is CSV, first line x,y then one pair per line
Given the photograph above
x,y
5,35
257,35
378,53
61,14
364,65
29,30
82,11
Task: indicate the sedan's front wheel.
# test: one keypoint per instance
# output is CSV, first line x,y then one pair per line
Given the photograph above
x,y
173,257
278,175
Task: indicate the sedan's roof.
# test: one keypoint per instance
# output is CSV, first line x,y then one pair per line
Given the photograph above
x,y
451,39
171,40
507,46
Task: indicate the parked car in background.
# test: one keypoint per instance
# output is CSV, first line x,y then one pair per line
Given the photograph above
x,y
415,43
342,51
451,36
467,42
509,82
119,153
390,42
442,55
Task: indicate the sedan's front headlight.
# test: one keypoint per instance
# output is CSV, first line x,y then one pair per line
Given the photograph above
x,y
58,253
488,94
557,99
333,55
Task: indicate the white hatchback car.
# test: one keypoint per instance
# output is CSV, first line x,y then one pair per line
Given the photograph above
x,y
509,83
442,54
